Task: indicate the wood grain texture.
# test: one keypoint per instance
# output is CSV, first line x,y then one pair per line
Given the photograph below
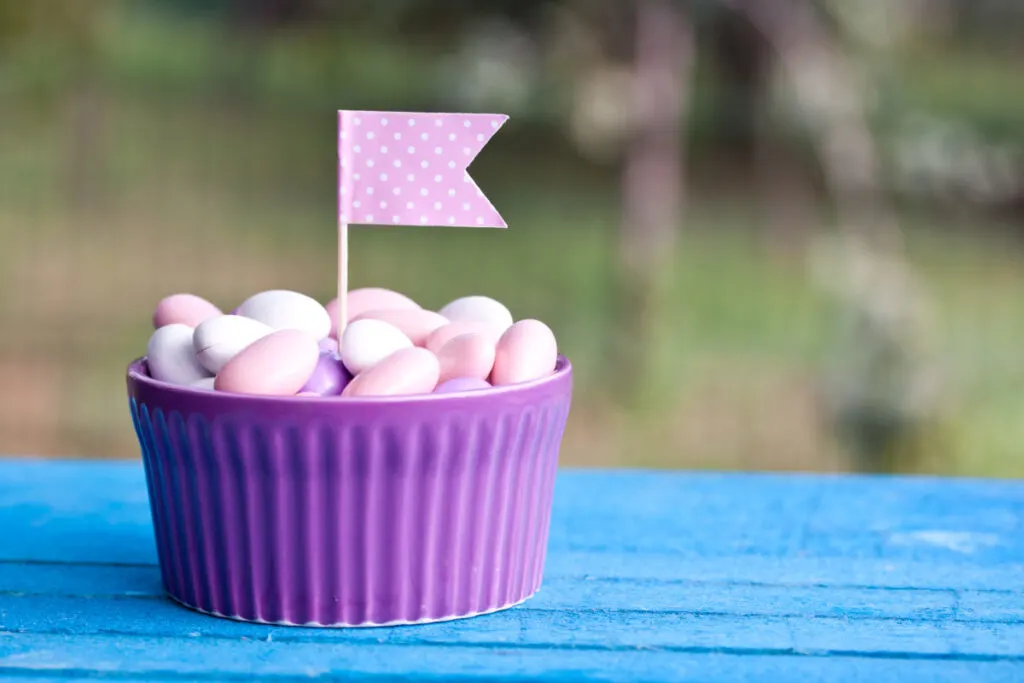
x,y
651,577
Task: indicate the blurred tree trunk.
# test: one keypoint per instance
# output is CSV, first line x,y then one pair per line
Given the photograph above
x,y
742,63
271,13
882,388
247,26
829,93
747,149
652,181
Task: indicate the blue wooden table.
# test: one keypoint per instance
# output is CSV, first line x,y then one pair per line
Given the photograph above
x,y
650,577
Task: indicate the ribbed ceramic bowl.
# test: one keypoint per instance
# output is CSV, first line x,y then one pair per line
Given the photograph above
x,y
354,512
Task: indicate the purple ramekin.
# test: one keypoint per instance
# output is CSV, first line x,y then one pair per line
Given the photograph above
x,y
351,512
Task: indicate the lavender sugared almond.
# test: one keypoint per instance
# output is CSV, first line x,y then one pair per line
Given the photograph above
x,y
284,343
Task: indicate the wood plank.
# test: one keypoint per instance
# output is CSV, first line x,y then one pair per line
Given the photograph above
x,y
540,627
204,658
995,606
557,615
577,628
614,593
651,576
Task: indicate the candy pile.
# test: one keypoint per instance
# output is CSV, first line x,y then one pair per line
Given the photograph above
x,y
283,343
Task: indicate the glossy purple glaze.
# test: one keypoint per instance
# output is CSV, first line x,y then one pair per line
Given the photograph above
x,y
329,378
351,512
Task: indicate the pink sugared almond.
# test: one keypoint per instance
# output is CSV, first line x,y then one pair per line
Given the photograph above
x,y
446,333
525,352
468,355
278,364
416,324
368,299
412,370
183,309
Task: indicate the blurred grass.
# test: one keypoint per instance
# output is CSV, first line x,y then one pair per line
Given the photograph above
x,y
224,194
975,86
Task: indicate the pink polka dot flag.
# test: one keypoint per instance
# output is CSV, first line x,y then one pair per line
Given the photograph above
x,y
399,168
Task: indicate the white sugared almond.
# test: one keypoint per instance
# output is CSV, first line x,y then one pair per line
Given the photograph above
x,y
218,340
286,310
479,309
171,357
367,342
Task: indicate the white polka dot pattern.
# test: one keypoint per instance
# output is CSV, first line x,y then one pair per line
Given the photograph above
x,y
444,146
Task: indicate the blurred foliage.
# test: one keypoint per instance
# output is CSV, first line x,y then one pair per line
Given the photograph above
x,y
215,147
44,44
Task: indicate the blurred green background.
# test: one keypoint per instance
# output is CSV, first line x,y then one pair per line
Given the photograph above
x,y
780,235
